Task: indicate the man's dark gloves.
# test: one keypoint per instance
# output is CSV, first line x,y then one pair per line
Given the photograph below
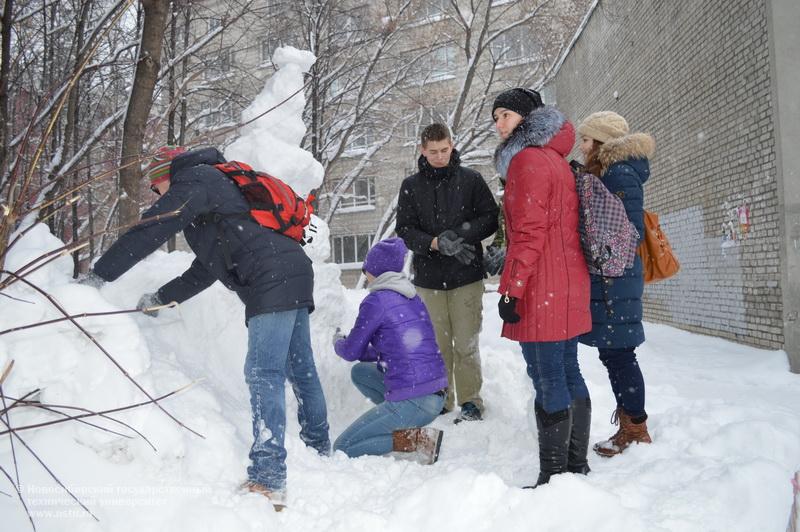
x,y
494,259
507,307
91,279
148,301
452,245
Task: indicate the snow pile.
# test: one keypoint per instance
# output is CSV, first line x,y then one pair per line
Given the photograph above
x,y
724,419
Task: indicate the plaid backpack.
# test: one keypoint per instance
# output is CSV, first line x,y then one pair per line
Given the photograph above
x,y
609,240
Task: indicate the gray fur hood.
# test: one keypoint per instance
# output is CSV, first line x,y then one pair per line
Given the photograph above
x,y
537,129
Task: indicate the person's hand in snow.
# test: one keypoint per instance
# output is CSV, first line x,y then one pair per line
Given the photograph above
x,y
148,301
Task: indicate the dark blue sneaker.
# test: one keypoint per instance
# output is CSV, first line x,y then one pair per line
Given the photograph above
x,y
469,412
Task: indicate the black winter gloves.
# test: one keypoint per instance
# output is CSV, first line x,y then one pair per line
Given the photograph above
x,y
494,259
147,301
507,308
452,245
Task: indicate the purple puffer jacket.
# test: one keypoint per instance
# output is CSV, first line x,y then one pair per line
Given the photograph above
x,y
396,331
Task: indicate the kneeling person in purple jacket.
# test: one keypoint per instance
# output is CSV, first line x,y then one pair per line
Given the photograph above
x,y
400,367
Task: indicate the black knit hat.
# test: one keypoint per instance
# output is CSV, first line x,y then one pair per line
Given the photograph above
x,y
520,100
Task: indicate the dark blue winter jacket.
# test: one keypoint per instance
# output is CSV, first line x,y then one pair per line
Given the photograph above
x,y
271,271
616,302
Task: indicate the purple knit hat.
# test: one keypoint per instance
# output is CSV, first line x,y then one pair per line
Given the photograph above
x,y
386,256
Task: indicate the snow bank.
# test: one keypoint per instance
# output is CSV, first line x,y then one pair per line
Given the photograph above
x,y
724,419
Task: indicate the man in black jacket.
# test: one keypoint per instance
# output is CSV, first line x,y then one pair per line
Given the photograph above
x,y
269,272
443,213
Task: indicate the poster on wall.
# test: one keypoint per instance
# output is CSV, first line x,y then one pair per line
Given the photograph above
x,y
736,224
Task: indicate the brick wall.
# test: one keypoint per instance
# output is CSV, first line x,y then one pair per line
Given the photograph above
x,y
696,75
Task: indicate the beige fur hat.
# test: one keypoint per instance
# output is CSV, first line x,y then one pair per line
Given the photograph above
x,y
603,126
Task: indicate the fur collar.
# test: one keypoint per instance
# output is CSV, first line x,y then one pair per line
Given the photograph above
x,y
536,129
633,146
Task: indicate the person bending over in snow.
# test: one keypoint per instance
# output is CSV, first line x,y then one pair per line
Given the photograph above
x,y
400,368
270,273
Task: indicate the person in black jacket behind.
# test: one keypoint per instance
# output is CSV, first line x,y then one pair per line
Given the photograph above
x,y
443,213
269,272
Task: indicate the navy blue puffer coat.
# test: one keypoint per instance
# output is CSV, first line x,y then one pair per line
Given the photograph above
x,y
616,302
271,271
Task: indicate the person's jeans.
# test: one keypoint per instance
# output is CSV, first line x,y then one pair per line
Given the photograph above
x,y
553,368
372,432
626,379
279,348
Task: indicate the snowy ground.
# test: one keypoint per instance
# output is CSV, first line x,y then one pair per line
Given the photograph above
x,y
724,419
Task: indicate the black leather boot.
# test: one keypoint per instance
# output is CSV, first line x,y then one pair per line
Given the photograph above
x,y
554,436
579,436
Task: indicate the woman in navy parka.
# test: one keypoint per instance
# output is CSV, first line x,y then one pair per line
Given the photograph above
x,y
621,160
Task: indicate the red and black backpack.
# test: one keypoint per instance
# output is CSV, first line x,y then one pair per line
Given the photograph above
x,y
273,203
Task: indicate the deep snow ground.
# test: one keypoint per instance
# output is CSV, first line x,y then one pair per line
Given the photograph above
x,y
725,420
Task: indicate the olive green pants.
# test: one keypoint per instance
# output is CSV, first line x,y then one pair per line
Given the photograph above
x,y
457,317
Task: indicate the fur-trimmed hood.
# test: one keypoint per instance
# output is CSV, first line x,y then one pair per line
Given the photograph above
x,y
544,126
632,146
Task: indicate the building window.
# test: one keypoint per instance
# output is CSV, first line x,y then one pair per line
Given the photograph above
x,y
224,114
361,193
214,23
218,66
268,47
433,9
516,45
349,249
443,62
271,7
361,140
350,23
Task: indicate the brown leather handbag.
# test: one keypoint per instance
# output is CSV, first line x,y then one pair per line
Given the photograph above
x,y
658,260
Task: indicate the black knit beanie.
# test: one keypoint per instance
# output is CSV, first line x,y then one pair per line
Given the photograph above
x,y
520,100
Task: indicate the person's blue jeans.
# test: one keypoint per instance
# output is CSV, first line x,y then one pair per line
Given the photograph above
x,y
553,368
279,348
626,379
372,432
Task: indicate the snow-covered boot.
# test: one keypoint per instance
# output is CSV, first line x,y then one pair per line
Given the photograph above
x,y
423,444
630,431
277,498
579,436
554,436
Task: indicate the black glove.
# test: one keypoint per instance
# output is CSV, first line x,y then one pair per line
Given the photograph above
x,y
452,245
147,301
466,255
494,259
507,308
91,279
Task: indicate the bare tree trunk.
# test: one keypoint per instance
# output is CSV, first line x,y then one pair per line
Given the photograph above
x,y
5,67
187,21
173,37
141,100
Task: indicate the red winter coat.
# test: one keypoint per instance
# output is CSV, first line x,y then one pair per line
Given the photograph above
x,y
545,268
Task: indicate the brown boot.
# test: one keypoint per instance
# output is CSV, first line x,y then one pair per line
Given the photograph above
x,y
628,433
424,443
277,498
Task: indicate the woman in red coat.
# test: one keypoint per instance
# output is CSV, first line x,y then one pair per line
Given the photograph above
x,y
545,283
